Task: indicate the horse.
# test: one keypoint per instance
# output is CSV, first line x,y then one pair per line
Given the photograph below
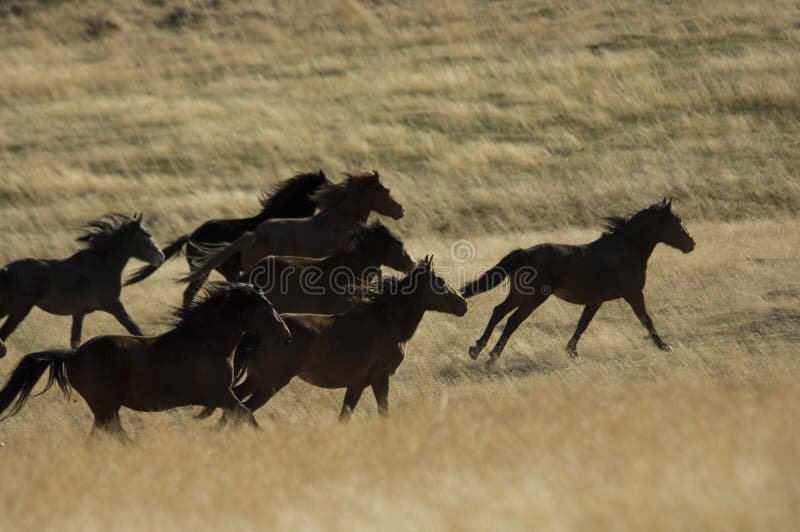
x,y
189,365
613,266
87,281
343,208
325,285
289,199
360,348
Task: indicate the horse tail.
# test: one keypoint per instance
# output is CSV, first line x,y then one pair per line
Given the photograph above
x,y
145,271
212,257
28,372
496,274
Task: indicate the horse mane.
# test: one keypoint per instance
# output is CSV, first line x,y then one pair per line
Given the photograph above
x,y
625,226
361,238
331,194
208,304
281,200
100,234
378,295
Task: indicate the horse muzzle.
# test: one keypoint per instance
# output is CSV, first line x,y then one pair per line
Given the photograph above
x,y
157,258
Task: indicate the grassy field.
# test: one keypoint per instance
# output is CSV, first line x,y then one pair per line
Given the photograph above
x,y
504,123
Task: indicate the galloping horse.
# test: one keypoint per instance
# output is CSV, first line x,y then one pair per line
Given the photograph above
x,y
289,199
611,267
324,286
188,365
344,208
357,349
87,281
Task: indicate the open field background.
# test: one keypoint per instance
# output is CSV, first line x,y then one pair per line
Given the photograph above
x,y
507,123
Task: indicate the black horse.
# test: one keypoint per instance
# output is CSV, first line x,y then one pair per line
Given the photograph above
x,y
611,267
289,199
89,280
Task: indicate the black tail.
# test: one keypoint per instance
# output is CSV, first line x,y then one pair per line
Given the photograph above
x,y
27,374
496,274
145,271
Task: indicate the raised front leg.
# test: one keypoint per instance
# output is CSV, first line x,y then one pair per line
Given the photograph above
x,y
520,315
499,312
351,398
636,301
380,388
588,313
77,327
117,310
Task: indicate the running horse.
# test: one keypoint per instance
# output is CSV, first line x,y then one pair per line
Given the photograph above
x,y
189,365
289,199
343,208
613,266
358,349
89,280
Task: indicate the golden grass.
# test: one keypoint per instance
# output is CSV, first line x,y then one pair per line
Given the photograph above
x,y
507,123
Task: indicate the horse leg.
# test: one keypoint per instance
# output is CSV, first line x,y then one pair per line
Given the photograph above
x,y
636,301
109,423
191,291
380,389
351,397
241,391
15,317
520,315
234,409
117,310
77,327
265,391
499,312
588,313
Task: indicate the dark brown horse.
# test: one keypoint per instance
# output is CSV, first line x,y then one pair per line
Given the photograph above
x,y
289,199
87,281
189,365
611,267
325,286
344,208
357,349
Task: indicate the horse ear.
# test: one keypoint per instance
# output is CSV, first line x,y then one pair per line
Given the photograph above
x,y
664,200
375,173
669,204
137,217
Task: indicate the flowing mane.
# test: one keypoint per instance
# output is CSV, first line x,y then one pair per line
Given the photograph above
x,y
369,233
207,306
102,233
282,199
331,194
621,226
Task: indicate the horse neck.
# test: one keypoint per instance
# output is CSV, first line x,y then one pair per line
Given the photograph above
x,y
643,240
355,260
115,258
350,210
403,316
222,336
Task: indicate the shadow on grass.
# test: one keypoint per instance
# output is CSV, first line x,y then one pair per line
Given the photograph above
x,y
514,367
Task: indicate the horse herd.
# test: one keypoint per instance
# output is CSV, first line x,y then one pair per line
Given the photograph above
x,y
241,341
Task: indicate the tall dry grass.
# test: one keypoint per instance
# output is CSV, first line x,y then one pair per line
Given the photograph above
x,y
507,123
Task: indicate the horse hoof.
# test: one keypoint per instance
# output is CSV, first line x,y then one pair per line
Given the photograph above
x,y
665,347
491,361
474,351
